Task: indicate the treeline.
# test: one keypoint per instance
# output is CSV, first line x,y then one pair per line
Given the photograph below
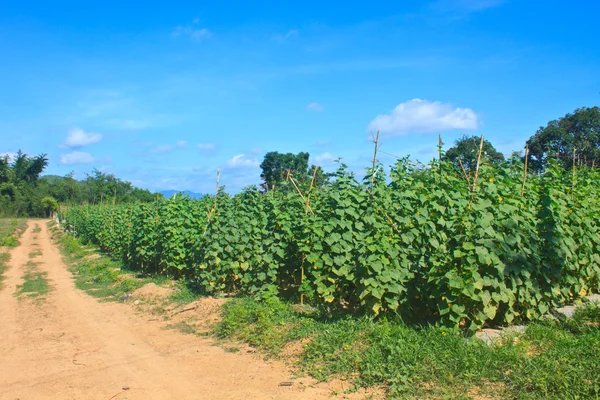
x,y
25,193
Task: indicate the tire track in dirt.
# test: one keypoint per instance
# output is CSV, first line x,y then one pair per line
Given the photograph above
x,y
72,347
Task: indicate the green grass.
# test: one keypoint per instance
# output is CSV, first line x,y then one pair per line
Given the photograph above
x,y
36,229
35,282
552,359
35,253
10,229
4,258
100,277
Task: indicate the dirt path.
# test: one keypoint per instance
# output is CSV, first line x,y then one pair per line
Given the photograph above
x,y
72,347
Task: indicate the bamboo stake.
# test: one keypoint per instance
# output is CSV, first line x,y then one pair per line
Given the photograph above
x,y
440,144
308,208
464,172
476,172
525,171
374,159
214,209
574,174
478,163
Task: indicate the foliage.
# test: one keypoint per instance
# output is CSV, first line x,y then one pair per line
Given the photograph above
x,y
421,243
19,184
576,133
465,152
50,205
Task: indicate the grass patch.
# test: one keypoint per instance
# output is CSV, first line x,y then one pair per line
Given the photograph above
x,y
4,259
183,294
10,230
553,359
35,253
184,327
36,229
35,282
100,277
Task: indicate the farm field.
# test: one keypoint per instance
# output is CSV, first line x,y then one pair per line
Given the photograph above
x,y
67,342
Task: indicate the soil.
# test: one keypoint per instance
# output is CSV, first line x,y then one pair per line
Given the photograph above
x,y
70,346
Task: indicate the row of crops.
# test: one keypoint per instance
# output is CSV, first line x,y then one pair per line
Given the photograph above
x,y
425,243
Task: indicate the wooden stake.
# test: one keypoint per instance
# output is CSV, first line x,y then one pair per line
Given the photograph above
x,y
374,159
574,176
525,171
464,172
301,195
440,155
478,163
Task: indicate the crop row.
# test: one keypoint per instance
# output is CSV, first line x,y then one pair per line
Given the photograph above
x,y
425,243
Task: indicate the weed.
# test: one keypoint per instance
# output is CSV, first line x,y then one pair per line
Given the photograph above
x,y
35,283
10,230
4,258
35,253
183,293
184,327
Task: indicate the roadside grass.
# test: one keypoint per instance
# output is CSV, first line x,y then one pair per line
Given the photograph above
x,y
4,258
100,277
551,360
10,230
35,282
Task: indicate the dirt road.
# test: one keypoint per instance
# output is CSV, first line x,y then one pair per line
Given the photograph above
x,y
72,347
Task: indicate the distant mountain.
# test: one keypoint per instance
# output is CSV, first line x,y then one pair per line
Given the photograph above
x,y
169,193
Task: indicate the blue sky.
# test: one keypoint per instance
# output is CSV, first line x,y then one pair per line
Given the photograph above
x,y
164,93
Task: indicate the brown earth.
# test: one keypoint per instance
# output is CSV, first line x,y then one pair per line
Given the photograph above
x,y
69,346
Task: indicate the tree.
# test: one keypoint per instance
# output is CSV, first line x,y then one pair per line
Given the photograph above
x,y
29,169
466,151
49,205
275,166
577,132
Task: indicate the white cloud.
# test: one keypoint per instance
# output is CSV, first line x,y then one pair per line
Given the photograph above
x,y
423,116
325,158
207,148
192,31
315,107
77,138
167,148
288,35
77,157
241,161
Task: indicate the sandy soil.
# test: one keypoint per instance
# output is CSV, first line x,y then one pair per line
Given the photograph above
x,y
72,347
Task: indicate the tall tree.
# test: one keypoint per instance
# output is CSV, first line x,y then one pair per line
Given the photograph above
x,y
275,166
466,151
577,132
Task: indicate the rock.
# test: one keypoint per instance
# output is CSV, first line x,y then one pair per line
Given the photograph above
x,y
137,302
567,311
593,298
489,336
520,329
